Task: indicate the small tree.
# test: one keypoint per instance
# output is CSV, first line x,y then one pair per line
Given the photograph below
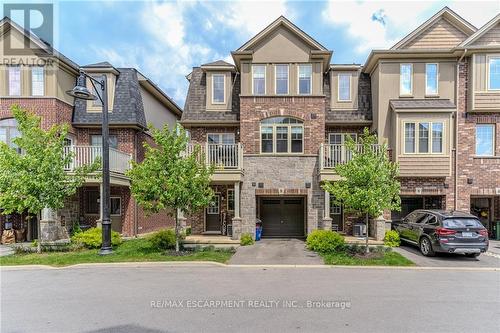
x,y
368,183
33,176
171,178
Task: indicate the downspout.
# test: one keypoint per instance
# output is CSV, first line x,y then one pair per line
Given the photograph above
x,y
455,205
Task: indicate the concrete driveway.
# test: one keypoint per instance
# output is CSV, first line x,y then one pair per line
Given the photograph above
x,y
276,252
488,259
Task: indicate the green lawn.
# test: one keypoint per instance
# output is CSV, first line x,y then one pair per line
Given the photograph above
x,y
387,259
131,250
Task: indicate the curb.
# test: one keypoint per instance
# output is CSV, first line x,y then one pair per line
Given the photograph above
x,y
258,266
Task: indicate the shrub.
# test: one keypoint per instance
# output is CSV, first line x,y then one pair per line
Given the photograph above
x,y
188,231
163,239
353,249
92,238
246,239
391,238
325,241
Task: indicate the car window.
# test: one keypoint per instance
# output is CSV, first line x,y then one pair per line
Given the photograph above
x,y
421,217
410,218
461,223
431,220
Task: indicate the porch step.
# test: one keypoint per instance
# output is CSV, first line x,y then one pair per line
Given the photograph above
x,y
362,240
210,240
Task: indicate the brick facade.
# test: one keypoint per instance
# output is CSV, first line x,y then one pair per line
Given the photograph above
x,y
311,110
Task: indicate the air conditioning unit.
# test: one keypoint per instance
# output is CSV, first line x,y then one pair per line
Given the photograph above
x,y
359,229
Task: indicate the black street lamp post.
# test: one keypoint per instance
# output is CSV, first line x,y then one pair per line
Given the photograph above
x,y
80,91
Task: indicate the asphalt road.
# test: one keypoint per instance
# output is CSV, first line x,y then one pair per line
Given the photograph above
x,y
159,298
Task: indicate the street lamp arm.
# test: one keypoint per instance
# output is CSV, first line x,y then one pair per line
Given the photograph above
x,y
93,81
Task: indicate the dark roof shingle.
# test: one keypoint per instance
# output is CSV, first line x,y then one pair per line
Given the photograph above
x,y
431,103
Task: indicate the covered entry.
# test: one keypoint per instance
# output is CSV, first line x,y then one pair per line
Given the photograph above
x,y
282,216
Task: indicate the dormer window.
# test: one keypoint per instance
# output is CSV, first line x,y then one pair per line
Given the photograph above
x,y
281,79
218,88
259,79
305,79
344,87
37,81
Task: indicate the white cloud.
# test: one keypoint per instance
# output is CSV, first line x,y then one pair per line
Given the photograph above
x,y
380,24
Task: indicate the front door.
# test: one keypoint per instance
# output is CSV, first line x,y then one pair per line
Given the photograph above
x,y
212,222
336,215
282,217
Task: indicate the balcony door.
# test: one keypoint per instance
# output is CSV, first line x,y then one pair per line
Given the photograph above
x,y
222,149
338,152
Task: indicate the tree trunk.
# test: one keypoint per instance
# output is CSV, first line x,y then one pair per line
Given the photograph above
x,y
39,236
367,233
176,230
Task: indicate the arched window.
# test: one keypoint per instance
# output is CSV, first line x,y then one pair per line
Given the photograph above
x,y
8,131
281,135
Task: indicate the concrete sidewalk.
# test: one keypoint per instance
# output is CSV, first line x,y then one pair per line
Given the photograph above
x,y
276,252
5,250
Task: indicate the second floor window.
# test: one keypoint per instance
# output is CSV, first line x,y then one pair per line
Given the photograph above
x,y
431,79
37,81
8,131
281,135
344,87
405,79
423,138
259,79
494,73
281,79
305,79
485,139
220,138
218,88
96,140
14,81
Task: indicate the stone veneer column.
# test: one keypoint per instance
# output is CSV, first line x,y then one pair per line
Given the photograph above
x,y
182,220
51,230
327,220
237,227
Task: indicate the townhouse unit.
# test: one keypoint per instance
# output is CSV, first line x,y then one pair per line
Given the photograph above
x,y
38,81
275,124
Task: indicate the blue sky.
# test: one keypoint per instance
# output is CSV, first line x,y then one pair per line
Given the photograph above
x,y
164,40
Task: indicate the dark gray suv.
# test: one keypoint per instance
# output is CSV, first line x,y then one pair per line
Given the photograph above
x,y
443,231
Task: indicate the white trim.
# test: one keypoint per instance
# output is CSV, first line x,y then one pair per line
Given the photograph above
x,y
9,67
493,139
213,212
289,137
429,138
298,79
223,91
287,81
119,198
350,87
437,79
401,81
43,80
265,79
488,58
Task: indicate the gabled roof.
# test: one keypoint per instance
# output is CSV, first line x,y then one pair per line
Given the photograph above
x,y
219,63
446,13
484,29
43,45
282,21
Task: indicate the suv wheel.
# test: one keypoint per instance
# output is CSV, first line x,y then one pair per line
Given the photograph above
x,y
426,247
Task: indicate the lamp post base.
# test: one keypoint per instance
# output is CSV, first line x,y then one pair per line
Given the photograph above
x,y
105,251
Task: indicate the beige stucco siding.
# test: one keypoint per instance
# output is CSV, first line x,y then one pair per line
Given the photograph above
x,y
491,37
421,165
227,94
334,86
156,113
482,98
281,46
441,34
385,85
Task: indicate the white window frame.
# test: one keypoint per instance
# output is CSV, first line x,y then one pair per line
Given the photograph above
x,y
310,78
9,68
489,58
437,80
223,90
415,131
214,210
120,199
343,135
220,134
227,199
287,80
493,138
289,138
42,82
265,79
350,87
430,138
401,80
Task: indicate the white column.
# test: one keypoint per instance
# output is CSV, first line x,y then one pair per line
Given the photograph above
x,y
237,200
327,204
